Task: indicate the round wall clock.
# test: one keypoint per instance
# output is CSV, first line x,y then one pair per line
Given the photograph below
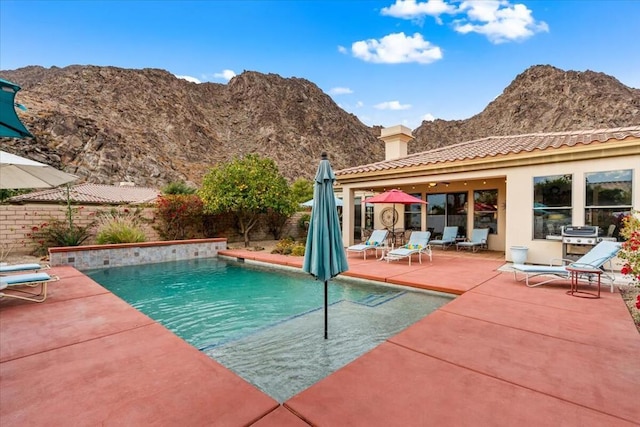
x,y
389,217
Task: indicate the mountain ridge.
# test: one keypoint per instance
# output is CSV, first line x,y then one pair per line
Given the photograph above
x,y
109,124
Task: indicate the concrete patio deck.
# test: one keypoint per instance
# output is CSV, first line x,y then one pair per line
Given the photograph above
x,y
499,354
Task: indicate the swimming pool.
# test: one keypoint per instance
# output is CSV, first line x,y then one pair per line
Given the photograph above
x,y
267,325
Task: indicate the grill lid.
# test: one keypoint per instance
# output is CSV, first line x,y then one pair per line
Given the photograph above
x,y
580,231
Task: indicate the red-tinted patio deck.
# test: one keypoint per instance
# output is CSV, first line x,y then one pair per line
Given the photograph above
x,y
500,354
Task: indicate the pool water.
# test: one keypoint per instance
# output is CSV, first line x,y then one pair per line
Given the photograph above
x,y
267,325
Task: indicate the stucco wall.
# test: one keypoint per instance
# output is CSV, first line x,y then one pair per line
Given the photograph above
x,y
520,200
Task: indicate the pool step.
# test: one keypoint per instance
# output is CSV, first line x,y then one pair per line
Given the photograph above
x,y
376,299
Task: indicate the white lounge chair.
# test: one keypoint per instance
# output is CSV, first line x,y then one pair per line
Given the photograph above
x,y
376,241
418,244
21,286
20,268
596,258
448,238
477,241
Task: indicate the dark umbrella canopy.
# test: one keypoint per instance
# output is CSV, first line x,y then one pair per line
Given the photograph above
x,y
10,124
324,255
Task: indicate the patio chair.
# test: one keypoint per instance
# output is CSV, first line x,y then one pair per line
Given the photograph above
x,y
18,268
477,241
376,241
22,286
596,258
418,244
448,237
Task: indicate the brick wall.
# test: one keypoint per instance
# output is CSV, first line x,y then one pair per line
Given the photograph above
x,y
16,221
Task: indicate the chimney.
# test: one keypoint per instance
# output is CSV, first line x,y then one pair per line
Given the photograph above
x,y
395,141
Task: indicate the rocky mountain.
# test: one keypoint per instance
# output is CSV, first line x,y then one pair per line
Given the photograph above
x,y
109,124
146,126
541,99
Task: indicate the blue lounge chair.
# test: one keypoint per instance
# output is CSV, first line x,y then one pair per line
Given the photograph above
x,y
418,244
377,241
477,241
21,268
448,237
596,258
22,286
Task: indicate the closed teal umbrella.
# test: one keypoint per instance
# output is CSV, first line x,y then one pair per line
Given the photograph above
x,y
10,124
324,256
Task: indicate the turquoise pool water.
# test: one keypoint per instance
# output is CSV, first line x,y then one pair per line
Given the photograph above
x,y
267,325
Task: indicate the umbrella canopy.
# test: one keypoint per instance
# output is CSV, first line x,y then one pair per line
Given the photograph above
x,y
324,255
392,197
309,203
10,124
18,172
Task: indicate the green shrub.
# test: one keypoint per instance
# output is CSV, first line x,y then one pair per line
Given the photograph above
x,y
178,187
56,233
179,217
303,221
289,247
298,250
120,227
119,230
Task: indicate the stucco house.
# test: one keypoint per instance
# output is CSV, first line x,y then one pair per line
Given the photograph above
x,y
524,188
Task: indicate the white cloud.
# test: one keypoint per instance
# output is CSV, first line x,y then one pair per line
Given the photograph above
x,y
397,48
225,75
499,20
392,105
359,104
343,49
189,79
428,117
340,91
416,10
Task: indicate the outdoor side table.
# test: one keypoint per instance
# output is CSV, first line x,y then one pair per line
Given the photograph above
x,y
575,273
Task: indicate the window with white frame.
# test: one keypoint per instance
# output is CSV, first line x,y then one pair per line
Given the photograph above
x,y
552,205
607,200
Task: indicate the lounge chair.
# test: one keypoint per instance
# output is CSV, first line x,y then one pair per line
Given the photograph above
x,y
418,244
448,237
22,285
596,258
478,240
18,268
376,241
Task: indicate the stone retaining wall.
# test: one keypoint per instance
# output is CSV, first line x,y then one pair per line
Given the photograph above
x,y
100,256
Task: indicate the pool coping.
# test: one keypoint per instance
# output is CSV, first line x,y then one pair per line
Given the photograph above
x,y
39,342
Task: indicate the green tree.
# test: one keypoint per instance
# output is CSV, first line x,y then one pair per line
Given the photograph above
x,y
246,188
302,190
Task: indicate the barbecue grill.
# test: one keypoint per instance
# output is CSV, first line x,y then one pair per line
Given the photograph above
x,y
577,240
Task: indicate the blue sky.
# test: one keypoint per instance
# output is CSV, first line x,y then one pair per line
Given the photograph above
x,y
388,62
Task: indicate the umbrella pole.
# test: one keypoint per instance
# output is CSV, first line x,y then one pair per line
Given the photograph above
x,y
326,311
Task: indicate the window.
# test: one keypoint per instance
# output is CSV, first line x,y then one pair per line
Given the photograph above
x,y
552,208
485,210
446,210
608,200
412,219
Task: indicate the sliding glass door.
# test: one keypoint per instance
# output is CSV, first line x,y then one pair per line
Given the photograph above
x,y
447,209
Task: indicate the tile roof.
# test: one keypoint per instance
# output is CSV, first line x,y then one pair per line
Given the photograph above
x,y
93,193
495,146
